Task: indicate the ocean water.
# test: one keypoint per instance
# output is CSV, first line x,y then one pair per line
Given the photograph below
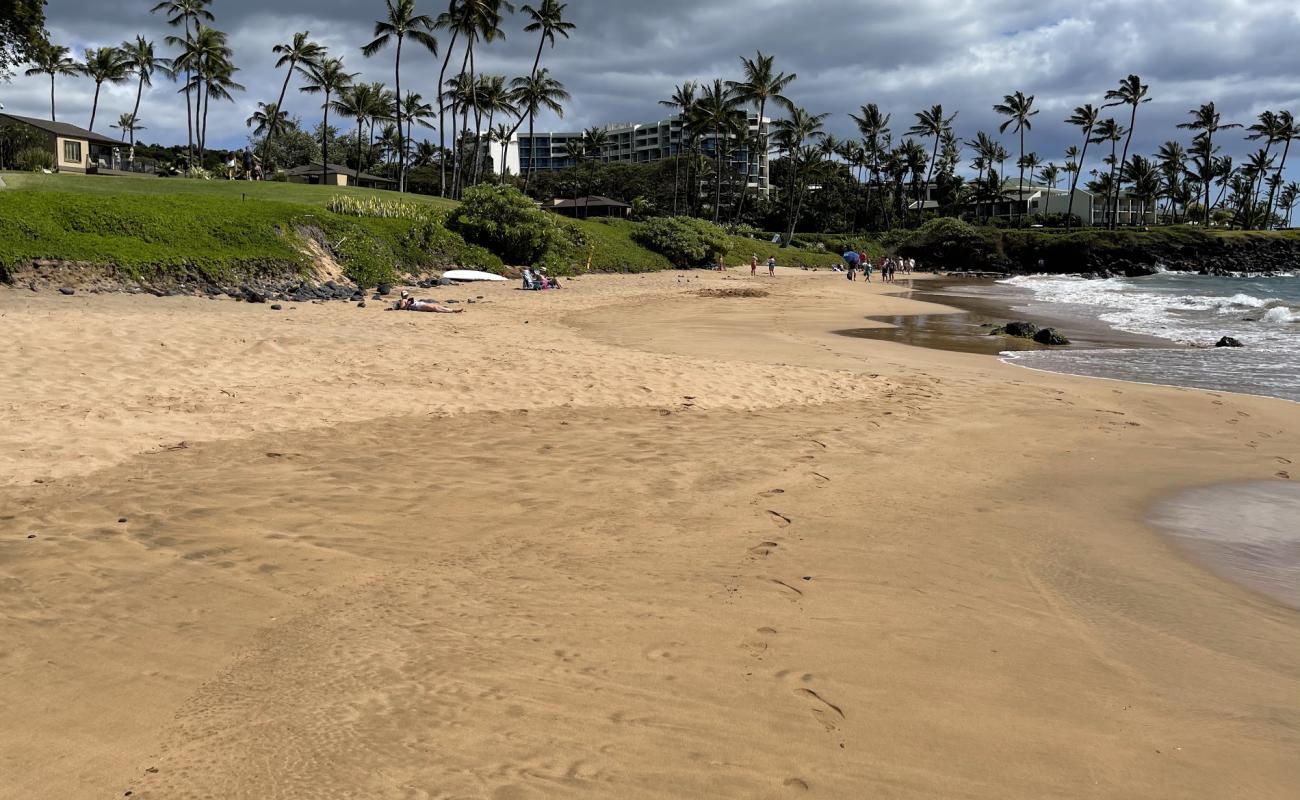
x,y
1191,313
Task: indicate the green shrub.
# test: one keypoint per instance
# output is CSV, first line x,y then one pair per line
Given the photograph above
x,y
685,241
505,221
34,159
950,243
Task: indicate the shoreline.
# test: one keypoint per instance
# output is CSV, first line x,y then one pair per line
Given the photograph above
x,y
619,539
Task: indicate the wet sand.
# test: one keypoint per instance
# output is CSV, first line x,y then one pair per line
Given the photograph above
x,y
965,322
621,540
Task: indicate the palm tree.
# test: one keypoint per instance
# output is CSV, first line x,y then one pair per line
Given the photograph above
x,y
53,60
1208,121
185,12
1173,161
530,95
1272,128
359,102
929,124
425,152
402,23
502,133
479,20
1018,109
219,84
329,79
548,18
494,98
141,60
874,127
762,84
683,99
1145,178
1084,118
717,107
104,64
1287,131
987,152
416,112
127,125
1050,174
265,119
595,140
793,135
205,59
1259,165
1108,130
298,56
1287,199
1132,92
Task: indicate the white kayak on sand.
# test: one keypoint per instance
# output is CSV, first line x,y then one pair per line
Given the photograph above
x,y
470,275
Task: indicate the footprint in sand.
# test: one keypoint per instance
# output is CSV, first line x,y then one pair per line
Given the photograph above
x,y
826,712
796,783
779,519
785,585
771,493
763,548
1283,474
1282,460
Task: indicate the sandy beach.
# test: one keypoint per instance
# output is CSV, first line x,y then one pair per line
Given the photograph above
x,y
631,539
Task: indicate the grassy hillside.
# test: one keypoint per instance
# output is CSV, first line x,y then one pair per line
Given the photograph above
x,y
224,231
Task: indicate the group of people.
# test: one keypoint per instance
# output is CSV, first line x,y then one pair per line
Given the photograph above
x,y
252,167
539,280
771,265
889,265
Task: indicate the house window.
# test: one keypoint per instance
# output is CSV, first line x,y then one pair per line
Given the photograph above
x,y
72,152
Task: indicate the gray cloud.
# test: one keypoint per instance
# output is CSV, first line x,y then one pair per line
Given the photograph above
x,y
626,55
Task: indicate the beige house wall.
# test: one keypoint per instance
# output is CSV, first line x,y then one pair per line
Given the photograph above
x,y
65,165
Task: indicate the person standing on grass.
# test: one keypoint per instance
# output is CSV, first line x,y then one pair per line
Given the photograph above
x,y
248,163
771,267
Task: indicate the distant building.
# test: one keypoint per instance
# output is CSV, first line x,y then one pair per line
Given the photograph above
x,y
586,207
639,144
1088,207
74,149
337,175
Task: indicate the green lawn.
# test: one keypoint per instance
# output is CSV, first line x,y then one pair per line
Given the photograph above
x,y
115,185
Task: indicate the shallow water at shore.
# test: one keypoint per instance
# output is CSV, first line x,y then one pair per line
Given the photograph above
x,y
1246,533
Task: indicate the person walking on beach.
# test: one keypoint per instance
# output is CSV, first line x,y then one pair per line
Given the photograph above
x,y
851,259
771,267
722,263
753,265
866,271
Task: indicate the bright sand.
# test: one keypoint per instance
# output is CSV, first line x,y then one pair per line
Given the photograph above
x,y
619,541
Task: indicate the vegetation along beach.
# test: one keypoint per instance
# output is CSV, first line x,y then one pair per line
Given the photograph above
x,y
873,418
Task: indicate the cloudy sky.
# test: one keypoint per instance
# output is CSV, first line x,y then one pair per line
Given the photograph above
x,y
904,55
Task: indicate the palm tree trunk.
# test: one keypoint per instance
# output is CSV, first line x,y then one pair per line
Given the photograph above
x,y
478,115
135,116
762,142
94,106
1209,167
203,130
279,105
53,118
1272,189
189,113
401,143
357,178
1020,196
325,141
1074,180
532,152
442,120
1122,161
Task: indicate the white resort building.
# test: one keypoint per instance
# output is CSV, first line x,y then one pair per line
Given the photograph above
x,y
636,143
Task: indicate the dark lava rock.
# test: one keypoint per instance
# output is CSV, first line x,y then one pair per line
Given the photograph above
x,y
383,289
1228,341
277,307
1022,329
31,536
67,290
252,295
1050,336
362,304
121,519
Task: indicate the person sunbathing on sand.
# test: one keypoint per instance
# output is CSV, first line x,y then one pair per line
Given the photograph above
x,y
408,303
